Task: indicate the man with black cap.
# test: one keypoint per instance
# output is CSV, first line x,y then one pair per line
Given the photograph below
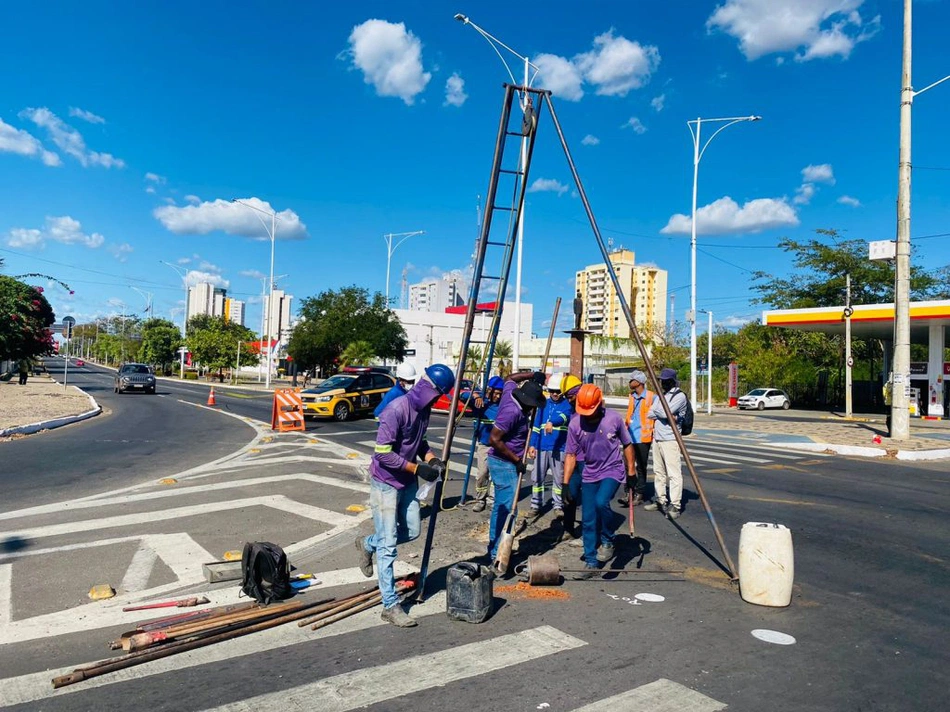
x,y
508,440
667,466
641,432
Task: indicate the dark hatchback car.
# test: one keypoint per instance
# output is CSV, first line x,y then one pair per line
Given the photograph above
x,y
134,377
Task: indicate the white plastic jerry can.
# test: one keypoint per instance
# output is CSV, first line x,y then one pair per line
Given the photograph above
x,y
766,564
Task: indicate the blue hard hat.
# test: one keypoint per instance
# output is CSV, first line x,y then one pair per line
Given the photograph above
x,y
496,382
441,376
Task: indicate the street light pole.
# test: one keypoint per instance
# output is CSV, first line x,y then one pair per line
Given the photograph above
x,y
184,312
495,43
390,248
147,296
697,157
272,234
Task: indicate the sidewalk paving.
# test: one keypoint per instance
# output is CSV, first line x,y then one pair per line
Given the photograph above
x,y
40,404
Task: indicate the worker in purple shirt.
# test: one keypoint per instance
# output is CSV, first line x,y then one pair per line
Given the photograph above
x,y
601,438
507,443
400,441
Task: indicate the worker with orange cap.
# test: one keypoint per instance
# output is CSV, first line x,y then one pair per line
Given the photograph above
x,y
601,437
570,387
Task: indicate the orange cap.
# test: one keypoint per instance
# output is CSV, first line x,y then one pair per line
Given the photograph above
x,y
589,399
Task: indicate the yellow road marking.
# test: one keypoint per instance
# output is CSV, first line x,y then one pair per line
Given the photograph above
x,y
168,481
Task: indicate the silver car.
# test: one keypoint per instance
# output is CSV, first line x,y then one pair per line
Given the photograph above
x,y
134,377
762,398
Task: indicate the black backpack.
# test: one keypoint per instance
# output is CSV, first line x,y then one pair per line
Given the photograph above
x,y
265,572
686,424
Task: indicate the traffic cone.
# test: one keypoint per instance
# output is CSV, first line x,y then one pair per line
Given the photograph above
x,y
211,400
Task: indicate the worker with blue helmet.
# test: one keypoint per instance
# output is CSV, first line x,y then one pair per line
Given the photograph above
x,y
395,473
485,420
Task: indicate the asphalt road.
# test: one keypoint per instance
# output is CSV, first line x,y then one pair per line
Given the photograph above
x,y
869,613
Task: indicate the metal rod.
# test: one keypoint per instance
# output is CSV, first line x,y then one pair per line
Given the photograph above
x,y
654,381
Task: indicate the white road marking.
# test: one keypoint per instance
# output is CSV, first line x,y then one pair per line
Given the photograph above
x,y
361,688
180,492
6,593
279,502
659,696
140,570
730,455
36,686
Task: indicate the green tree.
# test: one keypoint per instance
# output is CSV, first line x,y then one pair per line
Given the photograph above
x,y
503,356
25,318
333,320
213,342
357,353
160,341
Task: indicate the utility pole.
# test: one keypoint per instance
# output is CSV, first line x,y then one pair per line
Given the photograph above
x,y
848,361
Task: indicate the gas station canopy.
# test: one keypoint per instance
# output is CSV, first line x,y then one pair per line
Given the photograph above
x,y
869,321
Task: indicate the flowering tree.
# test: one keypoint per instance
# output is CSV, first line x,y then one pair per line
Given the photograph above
x,y
25,318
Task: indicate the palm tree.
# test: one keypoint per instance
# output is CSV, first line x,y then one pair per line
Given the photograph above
x,y
358,353
503,358
473,364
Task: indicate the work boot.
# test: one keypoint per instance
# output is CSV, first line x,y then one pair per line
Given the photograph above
x,y
365,558
589,572
656,506
637,500
479,506
605,553
559,513
398,617
622,499
674,512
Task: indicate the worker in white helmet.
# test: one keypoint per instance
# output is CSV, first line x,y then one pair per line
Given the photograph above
x,y
548,437
405,378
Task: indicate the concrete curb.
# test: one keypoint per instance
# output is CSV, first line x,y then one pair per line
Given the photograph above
x,y
920,455
55,422
859,451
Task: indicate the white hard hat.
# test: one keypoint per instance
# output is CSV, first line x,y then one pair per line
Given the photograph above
x,y
554,382
405,372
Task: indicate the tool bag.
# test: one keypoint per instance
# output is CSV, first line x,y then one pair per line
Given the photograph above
x,y
265,572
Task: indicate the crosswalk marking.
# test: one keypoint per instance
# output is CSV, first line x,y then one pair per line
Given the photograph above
x,y
6,592
659,696
361,688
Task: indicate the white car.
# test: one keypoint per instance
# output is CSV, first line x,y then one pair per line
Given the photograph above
x,y
762,398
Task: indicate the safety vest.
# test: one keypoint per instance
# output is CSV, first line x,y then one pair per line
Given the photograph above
x,y
640,426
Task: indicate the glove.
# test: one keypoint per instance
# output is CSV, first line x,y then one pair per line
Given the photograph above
x,y
438,465
566,496
520,467
427,472
538,377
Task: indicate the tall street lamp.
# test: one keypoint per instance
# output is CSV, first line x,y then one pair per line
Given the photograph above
x,y
900,390
147,296
495,44
697,157
390,248
272,234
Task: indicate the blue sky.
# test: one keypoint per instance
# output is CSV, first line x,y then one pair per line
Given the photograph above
x,y
124,125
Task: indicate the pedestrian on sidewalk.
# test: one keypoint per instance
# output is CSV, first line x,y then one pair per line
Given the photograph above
x,y
641,433
508,440
548,438
405,378
24,366
485,420
400,441
601,436
667,464
571,494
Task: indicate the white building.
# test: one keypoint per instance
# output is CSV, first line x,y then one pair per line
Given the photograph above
x,y
234,311
205,298
435,337
436,294
277,316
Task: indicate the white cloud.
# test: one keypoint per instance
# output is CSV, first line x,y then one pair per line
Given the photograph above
x,y
590,140
86,115
634,123
658,102
804,194
155,178
150,189
736,320
725,216
232,218
23,143
195,276
183,260
252,273
849,201
547,185
821,173
193,199
390,58
814,29
560,76
616,65
455,90
208,266
120,252
63,229
69,140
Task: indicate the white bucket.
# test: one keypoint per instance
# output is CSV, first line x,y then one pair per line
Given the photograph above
x,y
766,564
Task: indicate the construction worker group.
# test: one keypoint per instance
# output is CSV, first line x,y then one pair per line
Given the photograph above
x,y
586,450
